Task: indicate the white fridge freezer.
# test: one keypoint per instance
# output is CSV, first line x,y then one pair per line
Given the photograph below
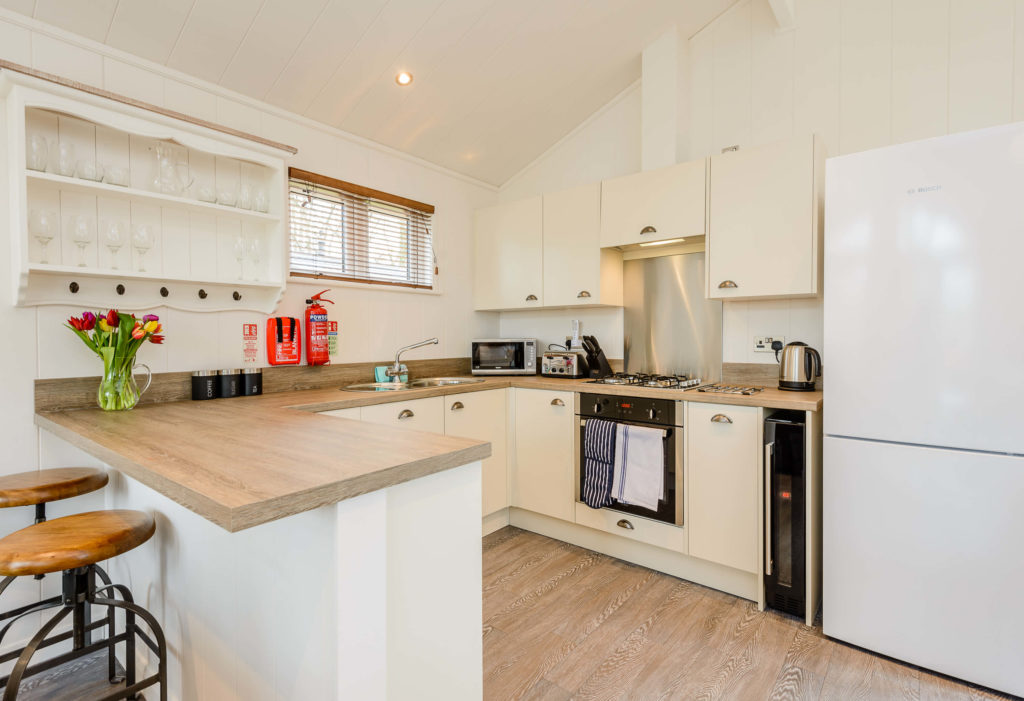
x,y
923,505
923,553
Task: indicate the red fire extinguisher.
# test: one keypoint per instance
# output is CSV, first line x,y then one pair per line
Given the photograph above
x,y
317,326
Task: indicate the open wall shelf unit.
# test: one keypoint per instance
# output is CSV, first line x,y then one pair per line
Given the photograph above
x,y
112,205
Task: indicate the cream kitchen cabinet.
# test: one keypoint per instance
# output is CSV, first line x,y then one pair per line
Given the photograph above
x,y
482,415
417,414
577,271
765,218
542,476
508,255
723,496
654,205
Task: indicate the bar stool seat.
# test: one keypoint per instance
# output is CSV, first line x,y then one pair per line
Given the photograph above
x,y
73,541
41,486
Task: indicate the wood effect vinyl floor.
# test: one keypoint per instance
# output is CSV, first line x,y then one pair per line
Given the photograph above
x,y
562,622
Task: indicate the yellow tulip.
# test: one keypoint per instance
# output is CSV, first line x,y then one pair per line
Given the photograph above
x,y
104,326
151,326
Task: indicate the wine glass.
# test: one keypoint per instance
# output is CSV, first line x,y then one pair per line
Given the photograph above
x,y
42,223
113,237
255,254
82,234
240,252
36,152
143,239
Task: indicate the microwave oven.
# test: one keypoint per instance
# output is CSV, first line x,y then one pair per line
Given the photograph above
x,y
504,356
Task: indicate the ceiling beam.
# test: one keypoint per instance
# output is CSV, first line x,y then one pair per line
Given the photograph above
x,y
785,13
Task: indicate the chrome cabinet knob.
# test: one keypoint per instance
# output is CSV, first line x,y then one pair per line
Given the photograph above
x,y
727,285
721,419
405,414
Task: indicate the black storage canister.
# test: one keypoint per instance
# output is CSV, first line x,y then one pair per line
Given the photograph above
x,y
230,383
205,385
252,381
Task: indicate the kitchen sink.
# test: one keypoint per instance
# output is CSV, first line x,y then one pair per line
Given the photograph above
x,y
415,384
445,381
377,387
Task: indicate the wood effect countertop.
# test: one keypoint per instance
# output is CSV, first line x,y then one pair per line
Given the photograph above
x,y
246,461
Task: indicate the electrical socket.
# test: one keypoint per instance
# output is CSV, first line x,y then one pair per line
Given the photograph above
x,y
763,344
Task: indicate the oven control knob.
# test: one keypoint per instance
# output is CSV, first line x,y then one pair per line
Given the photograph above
x,y
597,408
652,414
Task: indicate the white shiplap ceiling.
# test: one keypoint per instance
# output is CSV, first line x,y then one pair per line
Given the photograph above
x,y
497,82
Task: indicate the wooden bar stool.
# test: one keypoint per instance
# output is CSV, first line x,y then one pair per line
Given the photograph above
x,y
73,545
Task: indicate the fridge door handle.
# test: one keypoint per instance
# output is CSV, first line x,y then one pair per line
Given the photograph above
x,y
768,450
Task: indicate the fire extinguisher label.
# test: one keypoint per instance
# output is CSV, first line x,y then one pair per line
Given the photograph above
x,y
250,343
332,339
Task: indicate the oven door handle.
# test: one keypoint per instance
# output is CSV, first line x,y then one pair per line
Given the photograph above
x,y
769,450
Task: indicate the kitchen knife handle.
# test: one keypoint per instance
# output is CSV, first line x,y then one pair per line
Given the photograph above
x,y
721,419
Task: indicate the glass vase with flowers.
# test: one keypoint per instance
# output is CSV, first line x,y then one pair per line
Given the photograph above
x,y
116,337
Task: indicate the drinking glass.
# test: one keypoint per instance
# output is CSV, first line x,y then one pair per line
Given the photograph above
x,y
89,170
260,201
228,198
245,196
42,223
255,254
240,252
113,237
36,152
183,176
82,234
65,152
206,192
116,175
143,239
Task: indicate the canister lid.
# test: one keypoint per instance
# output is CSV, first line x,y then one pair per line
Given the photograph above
x,y
252,371
204,373
236,371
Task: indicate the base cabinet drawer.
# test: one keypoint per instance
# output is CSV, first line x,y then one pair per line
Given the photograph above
x,y
723,498
644,530
416,414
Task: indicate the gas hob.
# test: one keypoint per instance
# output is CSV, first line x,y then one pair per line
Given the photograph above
x,y
640,379
719,388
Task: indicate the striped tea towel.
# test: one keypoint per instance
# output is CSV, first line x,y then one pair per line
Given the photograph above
x,y
598,456
638,471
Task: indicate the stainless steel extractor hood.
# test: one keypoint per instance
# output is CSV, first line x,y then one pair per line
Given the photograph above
x,y
670,328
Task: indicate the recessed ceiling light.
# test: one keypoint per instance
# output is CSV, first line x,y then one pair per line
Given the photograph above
x,y
662,243
403,78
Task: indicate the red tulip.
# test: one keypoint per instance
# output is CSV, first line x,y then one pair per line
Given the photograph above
x,y
156,339
112,318
90,321
79,324
138,333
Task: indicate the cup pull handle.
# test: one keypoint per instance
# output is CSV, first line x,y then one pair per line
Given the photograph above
x,y
458,405
721,419
583,295
149,378
648,230
405,414
557,402
531,298
727,285
623,523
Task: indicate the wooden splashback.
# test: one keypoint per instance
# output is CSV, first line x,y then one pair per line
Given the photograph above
x,y
80,392
761,374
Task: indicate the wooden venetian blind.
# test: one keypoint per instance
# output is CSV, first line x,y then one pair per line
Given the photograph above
x,y
342,231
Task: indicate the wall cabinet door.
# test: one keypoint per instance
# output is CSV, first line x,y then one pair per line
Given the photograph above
x,y
577,271
723,498
764,212
508,255
671,201
481,415
543,471
417,414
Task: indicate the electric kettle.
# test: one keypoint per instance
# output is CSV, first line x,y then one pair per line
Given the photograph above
x,y
799,366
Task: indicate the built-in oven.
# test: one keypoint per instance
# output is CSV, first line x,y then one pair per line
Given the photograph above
x,y
504,356
663,414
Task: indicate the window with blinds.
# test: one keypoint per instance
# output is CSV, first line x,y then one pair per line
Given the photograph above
x,y
342,231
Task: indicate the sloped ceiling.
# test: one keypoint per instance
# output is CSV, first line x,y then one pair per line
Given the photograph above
x,y
496,82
